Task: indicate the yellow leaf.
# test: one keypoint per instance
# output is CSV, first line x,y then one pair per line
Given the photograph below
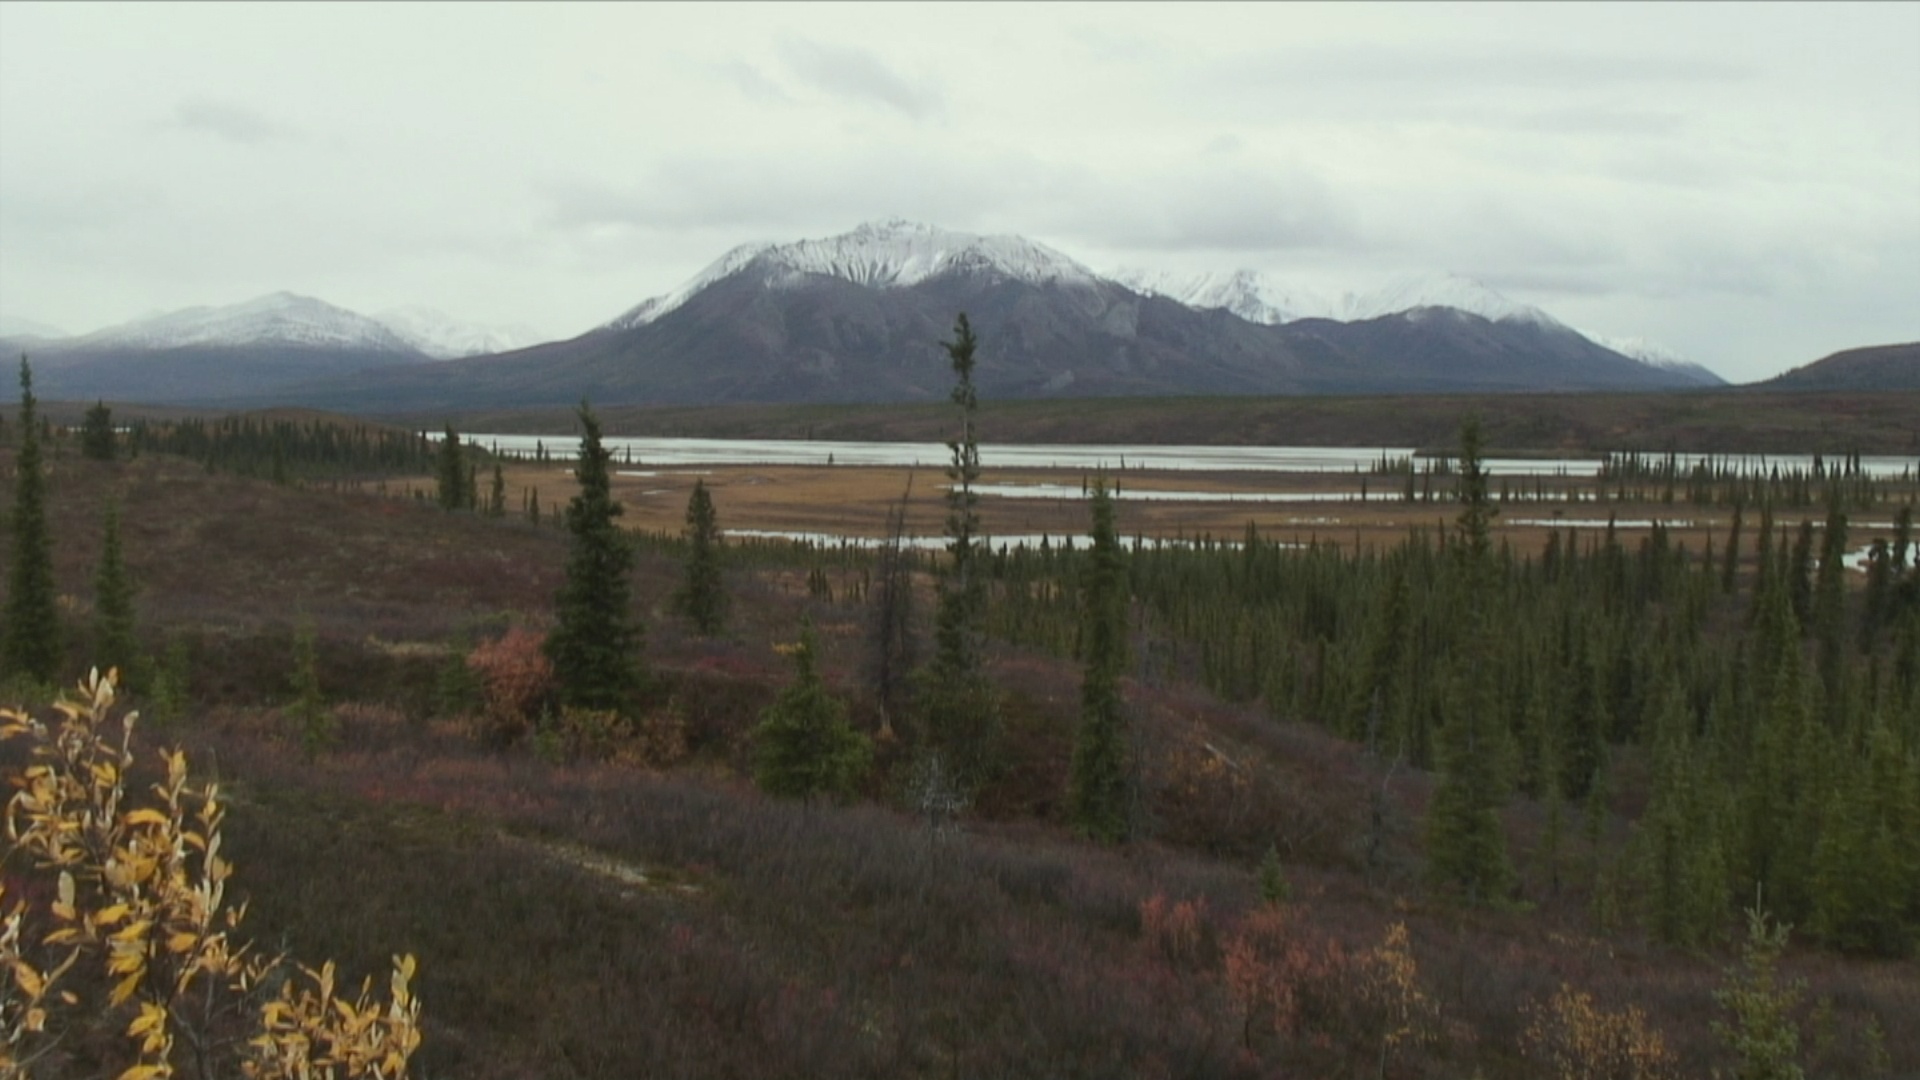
x,y
147,816
182,942
112,913
151,1017
28,979
140,1072
125,988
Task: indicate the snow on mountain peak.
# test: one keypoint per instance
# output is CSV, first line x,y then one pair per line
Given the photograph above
x,y
444,337
1410,291
1655,355
280,318
887,254
1250,294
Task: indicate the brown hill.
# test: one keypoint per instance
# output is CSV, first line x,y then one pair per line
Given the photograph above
x,y
1875,367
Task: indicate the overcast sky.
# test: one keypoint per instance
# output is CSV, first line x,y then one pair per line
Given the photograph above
x,y
1741,183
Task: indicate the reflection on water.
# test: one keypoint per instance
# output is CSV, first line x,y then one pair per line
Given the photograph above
x,y
1068,491
996,543
1111,458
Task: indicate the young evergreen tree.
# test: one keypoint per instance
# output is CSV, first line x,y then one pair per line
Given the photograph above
x,y
893,647
702,598
595,648
497,498
30,636
450,472
1100,790
115,645
309,709
96,433
804,747
1760,1032
960,711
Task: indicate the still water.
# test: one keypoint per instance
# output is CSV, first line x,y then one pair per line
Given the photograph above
x,y
656,453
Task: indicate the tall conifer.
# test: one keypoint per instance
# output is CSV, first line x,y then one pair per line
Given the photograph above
x,y
30,638
1466,846
595,648
114,641
1099,794
702,597
961,712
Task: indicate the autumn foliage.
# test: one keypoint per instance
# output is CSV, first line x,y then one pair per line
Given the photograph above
x,y
119,948
516,680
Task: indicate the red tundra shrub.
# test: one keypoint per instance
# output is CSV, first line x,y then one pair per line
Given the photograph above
x,y
516,679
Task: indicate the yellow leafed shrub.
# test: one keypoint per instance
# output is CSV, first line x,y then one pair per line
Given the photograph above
x,y
118,954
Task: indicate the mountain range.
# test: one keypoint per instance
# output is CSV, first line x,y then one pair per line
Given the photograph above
x,y
859,317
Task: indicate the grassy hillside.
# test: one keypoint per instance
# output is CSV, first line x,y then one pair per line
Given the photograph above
x,y
653,914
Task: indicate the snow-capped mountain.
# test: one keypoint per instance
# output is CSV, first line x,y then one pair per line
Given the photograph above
x,y
1257,296
1440,290
888,254
278,319
443,337
1251,294
18,329
1655,355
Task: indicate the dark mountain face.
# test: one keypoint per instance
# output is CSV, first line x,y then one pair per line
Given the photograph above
x,y
195,374
1878,367
1446,350
817,338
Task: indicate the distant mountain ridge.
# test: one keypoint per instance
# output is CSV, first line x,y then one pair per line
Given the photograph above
x,y
1876,367
859,317
282,319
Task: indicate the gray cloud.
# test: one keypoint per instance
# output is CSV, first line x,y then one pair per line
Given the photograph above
x,y
858,75
224,120
752,82
1476,67
1239,210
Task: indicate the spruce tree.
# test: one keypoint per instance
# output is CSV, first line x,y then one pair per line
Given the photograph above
x,y
892,645
30,638
702,599
804,747
1099,794
497,498
961,712
451,472
1761,1033
1466,846
114,641
96,433
1730,570
595,647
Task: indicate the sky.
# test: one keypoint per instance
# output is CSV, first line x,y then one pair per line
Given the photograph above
x,y
1738,183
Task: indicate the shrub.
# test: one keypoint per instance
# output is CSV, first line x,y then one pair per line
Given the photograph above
x,y
119,950
516,681
1578,1040
1176,933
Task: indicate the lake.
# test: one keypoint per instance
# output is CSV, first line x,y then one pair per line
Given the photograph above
x,y
681,453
